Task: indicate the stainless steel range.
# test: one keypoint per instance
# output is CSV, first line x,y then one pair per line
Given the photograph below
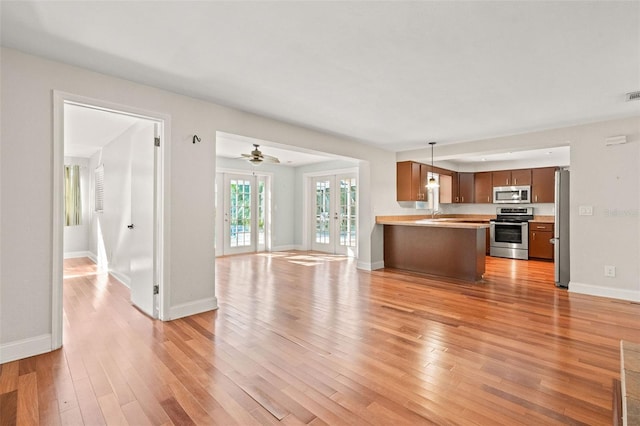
x,y
510,232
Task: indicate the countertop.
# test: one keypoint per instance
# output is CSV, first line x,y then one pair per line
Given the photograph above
x,y
439,222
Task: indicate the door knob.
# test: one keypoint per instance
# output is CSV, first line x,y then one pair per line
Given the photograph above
x,y
130,226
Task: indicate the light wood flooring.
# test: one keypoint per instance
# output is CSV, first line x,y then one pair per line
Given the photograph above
x,y
304,338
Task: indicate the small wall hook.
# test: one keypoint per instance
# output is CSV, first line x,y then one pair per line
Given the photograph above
x,y
196,139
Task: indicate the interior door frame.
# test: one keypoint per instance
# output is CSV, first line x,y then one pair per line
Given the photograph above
x,y
308,195
162,202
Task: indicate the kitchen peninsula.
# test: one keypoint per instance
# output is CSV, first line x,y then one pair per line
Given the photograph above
x,y
446,247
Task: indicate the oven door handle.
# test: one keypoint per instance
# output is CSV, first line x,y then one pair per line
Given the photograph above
x,y
510,223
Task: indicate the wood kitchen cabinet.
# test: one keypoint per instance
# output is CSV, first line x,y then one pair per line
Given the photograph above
x,y
540,235
411,181
462,187
543,185
511,177
483,188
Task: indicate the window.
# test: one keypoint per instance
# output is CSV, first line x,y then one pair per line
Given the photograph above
x,y
99,188
72,200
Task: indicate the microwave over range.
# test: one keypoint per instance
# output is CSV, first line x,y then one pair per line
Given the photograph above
x,y
512,194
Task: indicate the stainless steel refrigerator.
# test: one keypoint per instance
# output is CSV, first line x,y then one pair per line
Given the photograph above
x,y
561,229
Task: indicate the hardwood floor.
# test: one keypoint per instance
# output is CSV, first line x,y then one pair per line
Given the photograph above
x,y
306,338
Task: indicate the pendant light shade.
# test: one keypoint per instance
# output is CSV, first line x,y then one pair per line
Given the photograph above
x,y
432,183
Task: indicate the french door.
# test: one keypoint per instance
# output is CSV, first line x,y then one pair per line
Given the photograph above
x,y
335,216
245,219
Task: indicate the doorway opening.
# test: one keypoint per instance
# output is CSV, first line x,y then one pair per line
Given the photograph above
x,y
120,153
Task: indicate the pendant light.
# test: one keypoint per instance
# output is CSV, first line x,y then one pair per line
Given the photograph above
x,y
433,183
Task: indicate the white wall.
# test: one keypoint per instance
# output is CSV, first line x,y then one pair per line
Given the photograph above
x,y
27,84
76,238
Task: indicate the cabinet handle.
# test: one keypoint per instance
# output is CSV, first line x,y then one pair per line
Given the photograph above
x,y
534,235
541,227
515,181
507,181
536,198
488,200
457,199
462,199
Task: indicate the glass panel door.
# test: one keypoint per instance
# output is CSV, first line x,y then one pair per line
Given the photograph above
x,y
348,216
245,207
335,214
322,238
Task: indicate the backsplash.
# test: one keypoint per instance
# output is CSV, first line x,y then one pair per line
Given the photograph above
x,y
546,209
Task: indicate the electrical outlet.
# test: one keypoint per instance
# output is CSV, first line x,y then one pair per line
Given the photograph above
x,y
585,210
609,271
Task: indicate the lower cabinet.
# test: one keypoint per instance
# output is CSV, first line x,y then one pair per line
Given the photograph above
x,y
540,246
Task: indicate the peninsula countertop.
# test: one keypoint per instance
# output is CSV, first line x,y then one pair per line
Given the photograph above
x,y
439,222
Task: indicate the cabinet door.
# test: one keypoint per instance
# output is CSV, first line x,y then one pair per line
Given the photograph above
x,y
422,184
543,185
539,245
483,187
521,177
408,181
465,187
501,178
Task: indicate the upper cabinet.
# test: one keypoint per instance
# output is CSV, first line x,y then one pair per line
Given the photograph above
x,y
483,187
411,181
543,185
511,177
461,188
464,187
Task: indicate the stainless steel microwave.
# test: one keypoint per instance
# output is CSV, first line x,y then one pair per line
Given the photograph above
x,y
512,194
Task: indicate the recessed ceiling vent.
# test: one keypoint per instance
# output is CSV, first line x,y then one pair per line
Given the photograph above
x,y
633,96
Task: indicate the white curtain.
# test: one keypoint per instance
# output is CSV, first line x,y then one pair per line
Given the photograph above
x,y
72,200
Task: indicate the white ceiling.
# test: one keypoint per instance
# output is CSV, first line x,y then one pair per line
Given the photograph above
x,y
391,74
232,146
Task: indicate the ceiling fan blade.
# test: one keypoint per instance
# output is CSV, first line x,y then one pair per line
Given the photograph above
x,y
270,159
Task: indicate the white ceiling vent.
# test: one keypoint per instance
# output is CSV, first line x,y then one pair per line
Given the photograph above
x,y
633,96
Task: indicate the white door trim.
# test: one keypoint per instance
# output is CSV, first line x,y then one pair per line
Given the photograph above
x,y
163,202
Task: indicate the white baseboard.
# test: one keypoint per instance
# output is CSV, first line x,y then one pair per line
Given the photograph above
x,y
25,348
124,279
368,266
288,247
595,290
192,308
76,254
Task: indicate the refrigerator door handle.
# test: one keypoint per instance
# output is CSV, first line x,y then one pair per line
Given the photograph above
x,y
552,240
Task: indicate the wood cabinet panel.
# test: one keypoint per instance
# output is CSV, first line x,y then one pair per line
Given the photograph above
x,y
543,185
483,188
501,177
521,177
511,177
466,187
411,181
540,246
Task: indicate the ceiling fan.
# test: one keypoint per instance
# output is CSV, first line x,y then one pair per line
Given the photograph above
x,y
257,157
